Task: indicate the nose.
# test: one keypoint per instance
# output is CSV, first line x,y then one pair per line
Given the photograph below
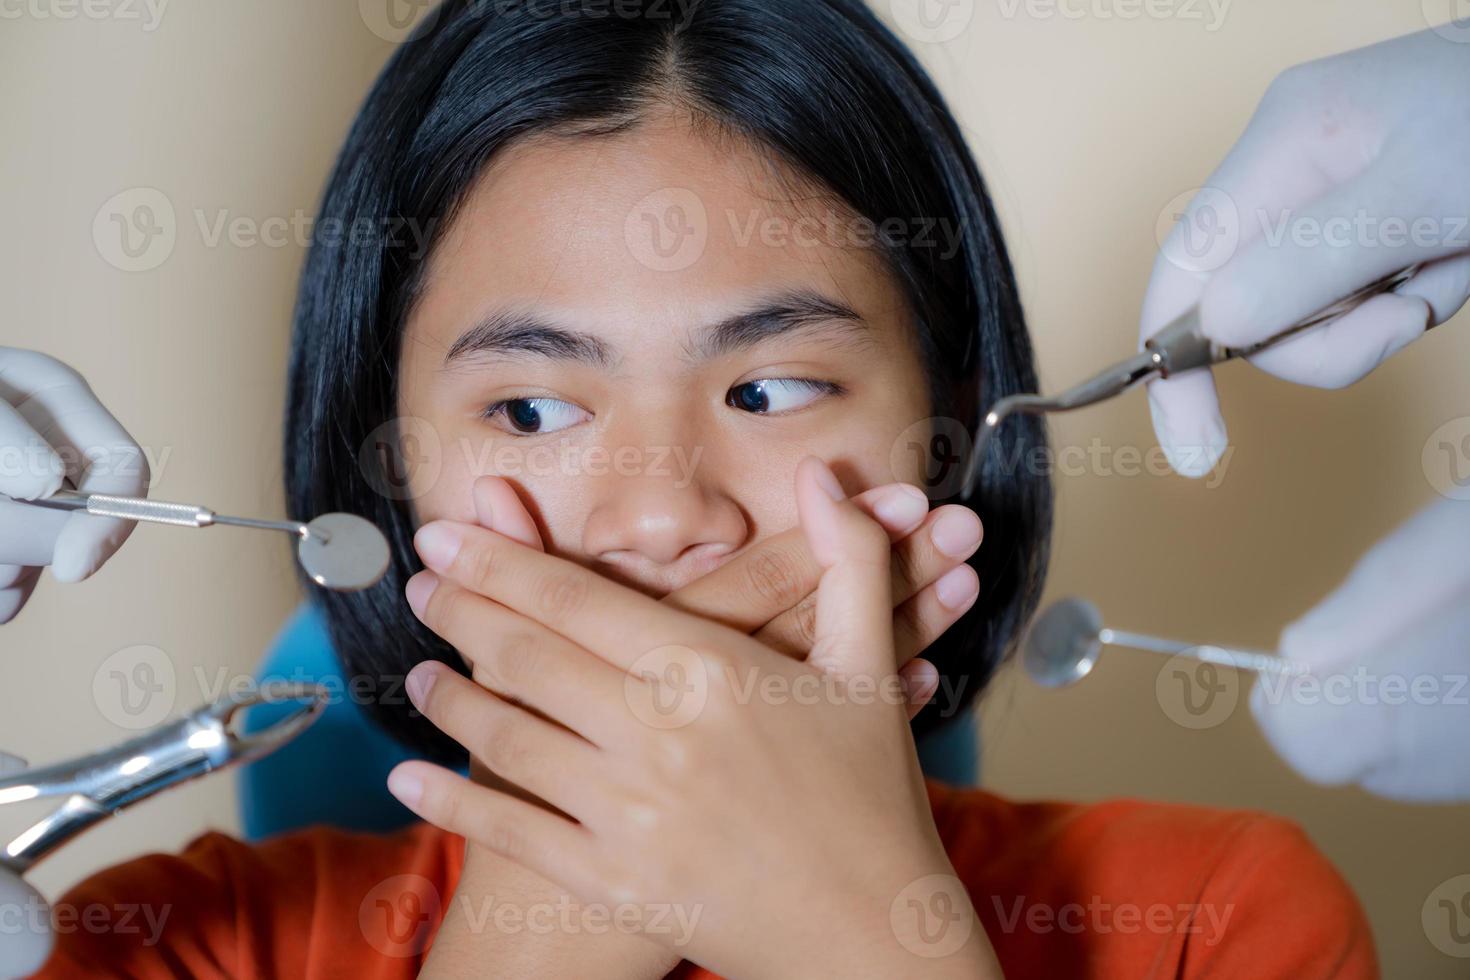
x,y
650,522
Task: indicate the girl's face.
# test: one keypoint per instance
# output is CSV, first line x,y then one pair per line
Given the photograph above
x,y
645,333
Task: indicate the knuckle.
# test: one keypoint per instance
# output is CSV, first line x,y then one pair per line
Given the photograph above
x,y
445,607
505,840
561,595
670,757
867,541
504,750
910,567
477,559
775,577
514,664
804,622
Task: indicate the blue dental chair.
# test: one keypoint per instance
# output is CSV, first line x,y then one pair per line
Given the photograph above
x,y
335,773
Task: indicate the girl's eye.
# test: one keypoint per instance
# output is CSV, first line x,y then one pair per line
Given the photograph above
x,y
776,395
535,416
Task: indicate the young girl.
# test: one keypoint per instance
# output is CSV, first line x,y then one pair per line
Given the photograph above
x,y
675,251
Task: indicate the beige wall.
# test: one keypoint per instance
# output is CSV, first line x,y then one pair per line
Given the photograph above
x,y
1087,127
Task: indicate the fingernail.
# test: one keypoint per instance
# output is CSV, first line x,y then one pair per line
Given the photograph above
x,y
408,788
828,482
957,532
418,590
419,681
901,508
437,544
958,587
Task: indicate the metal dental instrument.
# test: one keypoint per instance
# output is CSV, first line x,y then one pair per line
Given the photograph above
x,y
342,552
1177,348
102,785
99,786
1064,643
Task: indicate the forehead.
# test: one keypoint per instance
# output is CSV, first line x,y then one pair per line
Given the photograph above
x,y
662,222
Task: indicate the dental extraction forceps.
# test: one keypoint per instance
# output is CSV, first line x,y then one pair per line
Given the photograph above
x,y
1181,346
102,785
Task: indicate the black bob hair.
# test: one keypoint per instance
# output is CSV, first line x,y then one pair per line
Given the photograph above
x,y
823,87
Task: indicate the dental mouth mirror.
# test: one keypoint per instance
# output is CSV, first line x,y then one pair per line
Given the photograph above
x,y
1064,643
342,552
1179,347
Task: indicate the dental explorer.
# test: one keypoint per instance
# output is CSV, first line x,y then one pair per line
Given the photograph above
x,y
1180,346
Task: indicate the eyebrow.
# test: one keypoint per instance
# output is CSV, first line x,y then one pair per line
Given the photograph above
x,y
519,333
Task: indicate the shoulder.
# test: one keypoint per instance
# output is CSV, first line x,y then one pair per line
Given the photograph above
x,y
1206,889
224,907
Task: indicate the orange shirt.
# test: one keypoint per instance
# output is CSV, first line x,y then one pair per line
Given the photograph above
x,y
1114,890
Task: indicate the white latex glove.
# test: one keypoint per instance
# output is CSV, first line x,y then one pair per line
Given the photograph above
x,y
1388,705
26,941
1357,149
53,428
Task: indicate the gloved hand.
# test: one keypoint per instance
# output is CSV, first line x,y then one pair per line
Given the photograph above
x,y
1388,704
53,428
1353,167
26,942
